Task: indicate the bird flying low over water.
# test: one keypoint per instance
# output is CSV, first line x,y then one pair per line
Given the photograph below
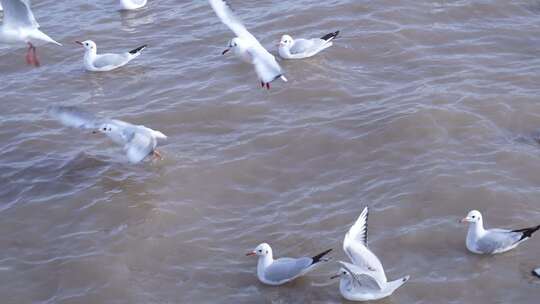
x,y
363,279
95,62
247,47
290,48
138,141
493,241
19,26
283,270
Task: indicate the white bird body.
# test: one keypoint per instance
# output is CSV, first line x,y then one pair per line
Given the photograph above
x,y
492,241
20,27
132,4
290,48
247,47
106,62
275,272
365,279
357,285
138,141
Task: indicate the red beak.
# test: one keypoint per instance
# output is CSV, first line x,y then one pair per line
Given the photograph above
x,y
251,253
78,42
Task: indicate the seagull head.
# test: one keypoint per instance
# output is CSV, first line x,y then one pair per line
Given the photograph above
x,y
342,273
105,128
235,42
286,41
87,44
474,216
261,250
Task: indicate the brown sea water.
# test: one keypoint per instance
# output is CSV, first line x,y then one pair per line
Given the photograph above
x,y
422,110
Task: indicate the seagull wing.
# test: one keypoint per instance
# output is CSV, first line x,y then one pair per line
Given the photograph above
x,y
74,117
112,60
355,246
226,15
497,240
360,277
140,143
284,269
17,13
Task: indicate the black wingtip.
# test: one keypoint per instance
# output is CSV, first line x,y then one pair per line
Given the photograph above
x,y
137,50
535,273
330,36
527,232
319,256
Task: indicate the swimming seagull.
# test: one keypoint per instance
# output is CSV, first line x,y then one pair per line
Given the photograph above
x,y
247,47
132,4
20,26
283,270
304,48
106,62
138,141
492,241
365,279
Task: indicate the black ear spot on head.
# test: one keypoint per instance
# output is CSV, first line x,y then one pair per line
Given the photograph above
x,y
404,279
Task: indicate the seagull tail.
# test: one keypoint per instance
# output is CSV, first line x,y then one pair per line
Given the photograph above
x,y
319,257
330,36
39,35
138,50
527,232
536,272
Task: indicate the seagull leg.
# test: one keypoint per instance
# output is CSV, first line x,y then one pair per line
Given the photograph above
x,y
262,84
268,85
34,55
157,155
28,55
31,56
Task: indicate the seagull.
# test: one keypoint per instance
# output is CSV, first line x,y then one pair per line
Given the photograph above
x,y
493,241
129,5
138,141
364,279
536,272
20,26
106,62
283,270
247,47
304,48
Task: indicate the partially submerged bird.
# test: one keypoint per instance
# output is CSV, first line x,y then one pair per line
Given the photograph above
x,y
247,47
493,241
283,270
106,62
132,4
364,279
290,48
20,26
138,141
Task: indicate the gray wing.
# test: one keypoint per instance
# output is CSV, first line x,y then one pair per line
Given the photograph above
x,y
497,239
286,268
110,60
17,13
306,45
360,277
140,144
74,117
